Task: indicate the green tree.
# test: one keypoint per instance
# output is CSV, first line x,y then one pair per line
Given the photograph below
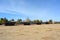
x,y
12,20
28,20
50,21
0,22
3,20
37,21
19,21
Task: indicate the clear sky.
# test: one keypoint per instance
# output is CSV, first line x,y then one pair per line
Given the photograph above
x,y
34,9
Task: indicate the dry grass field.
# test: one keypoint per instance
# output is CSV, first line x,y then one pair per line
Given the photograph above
x,y
31,32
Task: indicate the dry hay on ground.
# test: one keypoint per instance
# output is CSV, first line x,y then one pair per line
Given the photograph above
x,y
30,32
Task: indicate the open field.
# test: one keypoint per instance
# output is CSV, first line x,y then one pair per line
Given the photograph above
x,y
32,32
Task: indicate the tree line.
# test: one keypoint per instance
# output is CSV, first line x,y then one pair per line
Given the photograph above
x,y
5,21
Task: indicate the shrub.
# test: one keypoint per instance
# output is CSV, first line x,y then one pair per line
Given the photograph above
x,y
37,22
26,23
9,23
50,21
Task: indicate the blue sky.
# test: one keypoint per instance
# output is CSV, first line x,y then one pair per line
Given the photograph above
x,y
33,9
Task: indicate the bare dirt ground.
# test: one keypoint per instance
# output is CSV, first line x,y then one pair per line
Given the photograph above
x,y
32,32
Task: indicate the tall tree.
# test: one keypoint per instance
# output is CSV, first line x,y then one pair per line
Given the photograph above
x,y
37,21
12,20
0,21
19,21
50,21
5,20
28,20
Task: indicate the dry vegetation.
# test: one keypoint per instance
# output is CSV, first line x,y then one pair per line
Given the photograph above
x,y
31,32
